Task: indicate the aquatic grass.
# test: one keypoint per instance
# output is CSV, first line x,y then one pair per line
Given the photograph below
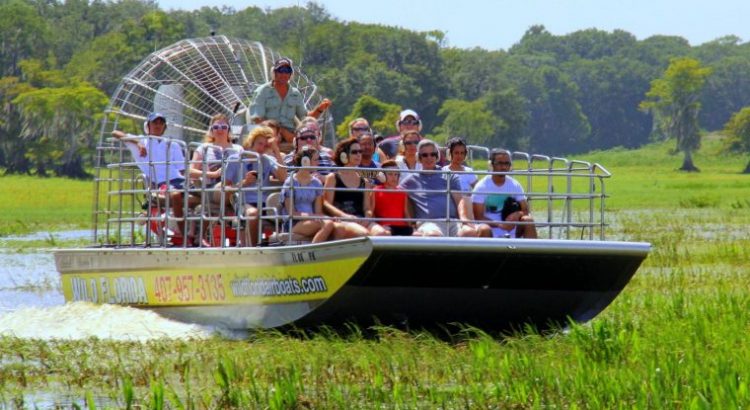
x,y
29,204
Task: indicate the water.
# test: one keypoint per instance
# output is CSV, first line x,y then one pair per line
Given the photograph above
x,y
32,305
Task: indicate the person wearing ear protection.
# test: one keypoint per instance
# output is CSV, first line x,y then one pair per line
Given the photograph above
x,y
161,160
408,121
456,151
302,196
339,202
307,135
279,100
490,195
433,206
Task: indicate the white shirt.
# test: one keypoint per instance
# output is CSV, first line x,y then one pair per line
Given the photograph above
x,y
467,180
401,162
493,196
154,164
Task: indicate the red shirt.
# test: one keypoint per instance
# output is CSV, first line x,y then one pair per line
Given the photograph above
x,y
390,205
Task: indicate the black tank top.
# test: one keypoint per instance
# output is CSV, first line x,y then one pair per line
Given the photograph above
x,y
348,201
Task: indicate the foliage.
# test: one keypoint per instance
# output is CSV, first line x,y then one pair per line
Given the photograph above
x,y
673,100
59,126
738,130
382,116
554,94
468,119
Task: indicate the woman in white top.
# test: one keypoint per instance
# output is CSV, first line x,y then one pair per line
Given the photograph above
x,y
457,152
205,167
407,159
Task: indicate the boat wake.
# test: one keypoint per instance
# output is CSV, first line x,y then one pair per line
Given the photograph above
x,y
83,320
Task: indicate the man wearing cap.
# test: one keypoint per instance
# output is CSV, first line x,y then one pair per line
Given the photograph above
x,y
408,120
161,160
279,100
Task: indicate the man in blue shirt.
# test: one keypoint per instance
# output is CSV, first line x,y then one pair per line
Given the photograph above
x,y
437,205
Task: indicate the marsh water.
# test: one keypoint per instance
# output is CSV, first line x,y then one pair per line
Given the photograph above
x,y
32,304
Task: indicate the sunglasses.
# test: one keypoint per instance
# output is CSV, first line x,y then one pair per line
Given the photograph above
x,y
217,127
355,152
506,163
409,122
428,154
307,137
411,142
284,70
360,128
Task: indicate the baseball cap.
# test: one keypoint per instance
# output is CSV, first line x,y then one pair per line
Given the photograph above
x,y
154,115
408,113
282,62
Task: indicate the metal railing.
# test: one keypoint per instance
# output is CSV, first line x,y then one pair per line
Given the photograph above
x,y
566,198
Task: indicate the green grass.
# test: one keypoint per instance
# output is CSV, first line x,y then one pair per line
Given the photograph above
x,y
30,204
676,337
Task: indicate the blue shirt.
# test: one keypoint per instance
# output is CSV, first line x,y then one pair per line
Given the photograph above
x,y
236,170
431,205
304,199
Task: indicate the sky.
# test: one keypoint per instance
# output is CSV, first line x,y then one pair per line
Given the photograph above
x,y
499,24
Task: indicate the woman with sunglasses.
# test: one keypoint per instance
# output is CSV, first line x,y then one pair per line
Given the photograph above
x,y
279,100
338,202
302,196
205,166
407,159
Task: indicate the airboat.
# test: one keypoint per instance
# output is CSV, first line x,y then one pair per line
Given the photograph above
x,y
571,273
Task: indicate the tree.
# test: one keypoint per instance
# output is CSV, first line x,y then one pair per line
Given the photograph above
x,y
23,34
726,91
104,62
60,124
382,116
610,90
738,130
11,147
468,119
673,100
556,123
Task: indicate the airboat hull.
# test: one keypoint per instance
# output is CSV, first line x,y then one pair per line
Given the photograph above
x,y
404,281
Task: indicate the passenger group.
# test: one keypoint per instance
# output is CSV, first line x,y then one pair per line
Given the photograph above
x,y
401,185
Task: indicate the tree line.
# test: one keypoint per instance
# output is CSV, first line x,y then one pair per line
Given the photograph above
x,y
557,95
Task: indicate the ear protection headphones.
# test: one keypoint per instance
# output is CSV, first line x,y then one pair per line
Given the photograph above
x,y
344,158
380,176
448,154
307,154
